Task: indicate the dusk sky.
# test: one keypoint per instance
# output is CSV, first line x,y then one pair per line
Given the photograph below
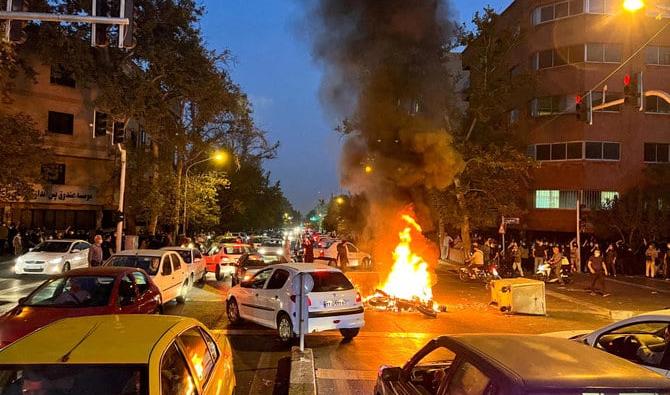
x,y
272,63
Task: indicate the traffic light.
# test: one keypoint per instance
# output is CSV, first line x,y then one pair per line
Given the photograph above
x,y
632,90
17,33
583,108
119,133
99,124
117,217
100,32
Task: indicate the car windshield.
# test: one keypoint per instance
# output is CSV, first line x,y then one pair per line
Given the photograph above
x,y
77,291
325,243
150,264
326,281
52,246
185,255
74,380
236,250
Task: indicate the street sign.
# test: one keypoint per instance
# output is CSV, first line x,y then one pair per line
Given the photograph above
x,y
502,229
511,221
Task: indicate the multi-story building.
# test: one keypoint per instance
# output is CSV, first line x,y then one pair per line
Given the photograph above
x,y
80,187
571,47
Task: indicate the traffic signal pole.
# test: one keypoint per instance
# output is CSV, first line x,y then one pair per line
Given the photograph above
x,y
122,190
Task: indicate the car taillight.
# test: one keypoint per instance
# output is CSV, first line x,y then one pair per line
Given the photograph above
x,y
322,253
294,299
358,297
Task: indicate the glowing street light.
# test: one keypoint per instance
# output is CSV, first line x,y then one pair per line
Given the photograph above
x,y
368,169
219,157
339,200
633,5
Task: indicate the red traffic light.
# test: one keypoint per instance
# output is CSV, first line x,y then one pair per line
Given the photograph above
x,y
626,80
578,99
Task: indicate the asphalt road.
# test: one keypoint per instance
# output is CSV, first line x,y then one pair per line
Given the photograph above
x,y
262,364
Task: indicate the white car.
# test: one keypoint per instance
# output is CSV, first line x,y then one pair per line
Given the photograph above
x,y
197,271
53,257
328,252
625,338
166,268
268,299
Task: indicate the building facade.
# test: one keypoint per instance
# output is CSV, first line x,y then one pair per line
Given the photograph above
x,y
80,187
573,47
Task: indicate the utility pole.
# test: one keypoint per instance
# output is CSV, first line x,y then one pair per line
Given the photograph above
x,y
122,190
579,242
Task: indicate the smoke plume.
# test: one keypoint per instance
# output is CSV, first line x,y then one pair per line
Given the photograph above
x,y
385,77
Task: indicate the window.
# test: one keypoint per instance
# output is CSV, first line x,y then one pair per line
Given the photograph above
x,y
175,376
258,281
278,279
545,59
658,55
597,99
548,105
602,151
603,53
652,332
167,266
611,151
467,379
60,122
606,198
198,353
656,153
176,262
514,116
62,75
558,10
553,198
543,152
141,282
558,151
655,104
559,56
574,150
604,6
53,173
330,281
598,199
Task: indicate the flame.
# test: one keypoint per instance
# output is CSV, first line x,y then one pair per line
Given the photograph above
x,y
410,276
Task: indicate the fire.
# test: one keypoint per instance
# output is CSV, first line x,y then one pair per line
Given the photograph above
x,y
410,276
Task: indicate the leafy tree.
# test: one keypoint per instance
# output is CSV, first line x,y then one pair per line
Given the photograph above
x,y
202,205
347,216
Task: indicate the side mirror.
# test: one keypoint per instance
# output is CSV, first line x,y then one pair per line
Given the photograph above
x,y
22,300
391,373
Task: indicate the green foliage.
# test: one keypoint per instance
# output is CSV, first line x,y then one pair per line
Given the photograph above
x,y
201,202
346,215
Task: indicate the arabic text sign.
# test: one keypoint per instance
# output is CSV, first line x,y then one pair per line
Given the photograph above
x,y
65,194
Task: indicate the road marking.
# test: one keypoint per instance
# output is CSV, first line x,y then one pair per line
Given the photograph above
x,y
590,306
265,332
261,384
347,375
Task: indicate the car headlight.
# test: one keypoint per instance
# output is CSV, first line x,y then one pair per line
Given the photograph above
x,y
262,251
280,251
55,261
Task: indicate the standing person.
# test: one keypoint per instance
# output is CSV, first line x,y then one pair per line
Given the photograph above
x,y
516,260
107,248
17,243
525,254
95,252
539,254
666,263
4,237
309,250
446,243
574,257
342,256
598,270
650,262
610,259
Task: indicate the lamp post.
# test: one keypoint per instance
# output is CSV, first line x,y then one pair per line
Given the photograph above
x,y
218,157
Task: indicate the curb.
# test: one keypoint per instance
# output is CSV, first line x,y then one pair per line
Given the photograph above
x,y
303,375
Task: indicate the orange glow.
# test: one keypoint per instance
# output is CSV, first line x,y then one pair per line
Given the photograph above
x,y
196,360
410,276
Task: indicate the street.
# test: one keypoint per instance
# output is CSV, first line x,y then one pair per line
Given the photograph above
x,y
262,364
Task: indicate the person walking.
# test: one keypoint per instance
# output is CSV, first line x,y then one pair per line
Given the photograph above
x,y
539,254
4,236
610,259
95,252
516,260
342,255
598,269
17,243
650,262
309,250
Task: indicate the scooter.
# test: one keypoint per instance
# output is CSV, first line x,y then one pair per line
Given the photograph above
x,y
544,272
485,274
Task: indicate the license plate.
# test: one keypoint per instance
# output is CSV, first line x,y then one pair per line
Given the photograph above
x,y
334,303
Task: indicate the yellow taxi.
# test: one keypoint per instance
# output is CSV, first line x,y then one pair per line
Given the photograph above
x,y
118,355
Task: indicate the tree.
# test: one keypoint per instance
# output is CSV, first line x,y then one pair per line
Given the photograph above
x,y
202,205
346,215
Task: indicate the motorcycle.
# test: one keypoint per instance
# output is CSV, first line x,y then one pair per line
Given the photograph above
x,y
485,274
545,270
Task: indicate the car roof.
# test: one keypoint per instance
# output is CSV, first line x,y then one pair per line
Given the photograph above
x,y
664,313
102,339
145,252
64,241
225,244
99,271
308,267
177,249
572,364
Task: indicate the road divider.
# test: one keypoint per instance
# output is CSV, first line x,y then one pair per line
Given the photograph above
x,y
303,375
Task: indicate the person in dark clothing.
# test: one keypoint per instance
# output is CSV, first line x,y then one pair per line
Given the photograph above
x,y
610,259
342,256
107,248
598,270
309,250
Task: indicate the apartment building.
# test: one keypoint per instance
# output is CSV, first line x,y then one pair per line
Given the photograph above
x,y
571,47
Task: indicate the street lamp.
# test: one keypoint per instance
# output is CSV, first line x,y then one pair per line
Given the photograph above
x,y
219,157
633,5
368,169
339,200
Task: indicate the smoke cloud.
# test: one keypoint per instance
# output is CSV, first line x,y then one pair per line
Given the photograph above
x,y
385,75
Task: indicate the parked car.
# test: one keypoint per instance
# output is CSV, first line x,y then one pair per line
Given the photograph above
x,y
197,271
221,259
631,338
515,364
268,299
249,264
356,257
119,354
166,268
53,257
81,292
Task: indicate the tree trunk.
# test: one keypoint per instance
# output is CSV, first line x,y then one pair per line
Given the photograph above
x,y
465,217
177,205
153,221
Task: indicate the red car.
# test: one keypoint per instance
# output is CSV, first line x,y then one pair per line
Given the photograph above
x,y
79,292
221,259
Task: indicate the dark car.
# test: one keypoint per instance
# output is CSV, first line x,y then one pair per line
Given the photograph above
x,y
516,364
250,264
81,292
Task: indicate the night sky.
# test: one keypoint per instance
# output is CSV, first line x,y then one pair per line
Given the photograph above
x,y
272,63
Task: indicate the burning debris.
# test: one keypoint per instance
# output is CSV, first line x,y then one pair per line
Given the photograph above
x,y
381,301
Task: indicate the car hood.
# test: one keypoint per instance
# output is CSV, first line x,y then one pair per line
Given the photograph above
x,y
572,334
41,256
23,320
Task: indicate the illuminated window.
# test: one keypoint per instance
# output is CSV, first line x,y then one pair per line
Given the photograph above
x,y
606,198
547,198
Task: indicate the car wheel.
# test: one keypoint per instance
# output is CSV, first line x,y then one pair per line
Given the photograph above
x,y
233,312
349,333
181,299
218,273
285,328
191,281
66,267
203,279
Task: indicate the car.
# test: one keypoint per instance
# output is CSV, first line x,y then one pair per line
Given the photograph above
x,y
626,338
80,292
268,299
495,364
249,264
166,268
119,354
221,259
197,271
328,252
53,257
272,250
